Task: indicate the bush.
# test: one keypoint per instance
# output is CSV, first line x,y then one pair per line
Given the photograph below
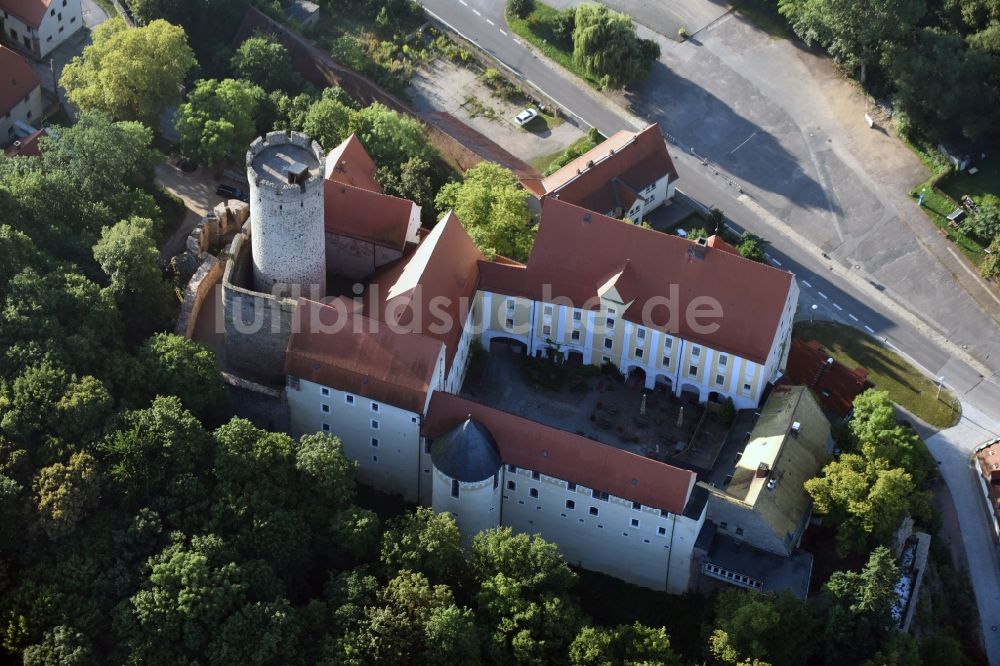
x,y
727,412
563,26
520,8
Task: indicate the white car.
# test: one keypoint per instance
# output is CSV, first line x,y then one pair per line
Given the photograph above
x,y
525,117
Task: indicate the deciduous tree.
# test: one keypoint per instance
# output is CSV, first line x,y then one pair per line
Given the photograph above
x,y
130,73
606,46
173,365
265,62
219,119
493,209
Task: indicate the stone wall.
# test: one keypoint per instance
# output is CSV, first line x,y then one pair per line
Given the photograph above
x,y
257,324
263,406
354,258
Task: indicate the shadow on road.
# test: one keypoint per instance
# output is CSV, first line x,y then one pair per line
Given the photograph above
x,y
700,120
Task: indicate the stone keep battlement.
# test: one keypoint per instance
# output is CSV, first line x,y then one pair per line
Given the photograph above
x,y
285,171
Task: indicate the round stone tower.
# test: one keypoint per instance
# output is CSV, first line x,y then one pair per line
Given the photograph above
x,y
467,477
285,171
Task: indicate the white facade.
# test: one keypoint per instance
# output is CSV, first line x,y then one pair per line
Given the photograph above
x,y
384,440
28,110
680,365
288,236
475,506
638,544
652,197
62,18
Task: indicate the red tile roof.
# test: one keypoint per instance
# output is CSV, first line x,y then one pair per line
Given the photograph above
x,y
26,147
577,251
371,216
717,242
350,163
17,79
567,456
30,12
432,288
612,174
835,384
363,357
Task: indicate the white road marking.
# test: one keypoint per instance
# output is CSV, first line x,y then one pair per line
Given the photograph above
x,y
852,316
503,32
869,329
821,294
807,284
518,42
744,142
838,307
464,3
775,261
490,22
476,12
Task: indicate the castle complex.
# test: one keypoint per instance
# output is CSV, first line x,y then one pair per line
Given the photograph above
x,y
334,290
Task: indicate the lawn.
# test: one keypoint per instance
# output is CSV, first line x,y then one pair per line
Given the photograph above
x,y
985,182
537,28
889,371
937,206
547,164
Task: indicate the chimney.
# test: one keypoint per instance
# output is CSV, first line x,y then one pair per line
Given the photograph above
x,y
297,173
763,470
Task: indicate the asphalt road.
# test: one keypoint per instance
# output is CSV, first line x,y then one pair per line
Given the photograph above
x,y
854,299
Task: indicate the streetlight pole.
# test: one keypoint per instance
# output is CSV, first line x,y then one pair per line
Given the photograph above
x,y
813,314
940,383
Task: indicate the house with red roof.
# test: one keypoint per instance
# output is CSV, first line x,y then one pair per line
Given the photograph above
x,y
38,26
626,176
20,95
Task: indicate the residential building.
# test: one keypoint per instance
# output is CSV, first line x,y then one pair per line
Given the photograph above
x,y
603,292
38,26
626,176
20,96
761,508
26,147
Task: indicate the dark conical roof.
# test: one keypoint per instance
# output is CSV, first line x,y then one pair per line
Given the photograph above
x,y
467,452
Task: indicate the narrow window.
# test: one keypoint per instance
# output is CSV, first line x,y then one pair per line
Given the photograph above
x,y
374,406
326,427
570,504
720,379
594,511
693,370
739,531
375,442
536,476
635,522
325,408
662,531
374,424
454,487
576,335
546,330
666,361
511,485
608,343
512,469
570,486
324,391
638,353
577,316
349,399
641,334
533,492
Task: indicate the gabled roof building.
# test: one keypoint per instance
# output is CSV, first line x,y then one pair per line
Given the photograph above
x,y
20,97
379,358
39,26
627,175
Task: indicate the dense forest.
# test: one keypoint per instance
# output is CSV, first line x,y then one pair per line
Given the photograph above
x,y
141,523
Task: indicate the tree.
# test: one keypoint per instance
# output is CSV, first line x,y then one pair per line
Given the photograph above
x,y
130,73
984,223
425,542
754,627
752,248
520,8
990,268
865,497
219,120
413,181
606,47
128,255
328,122
627,644
943,88
173,365
265,62
104,158
18,251
854,32
493,209
61,646
859,607
390,138
66,493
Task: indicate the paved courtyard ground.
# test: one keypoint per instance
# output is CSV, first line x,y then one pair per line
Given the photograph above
x,y
604,409
444,86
